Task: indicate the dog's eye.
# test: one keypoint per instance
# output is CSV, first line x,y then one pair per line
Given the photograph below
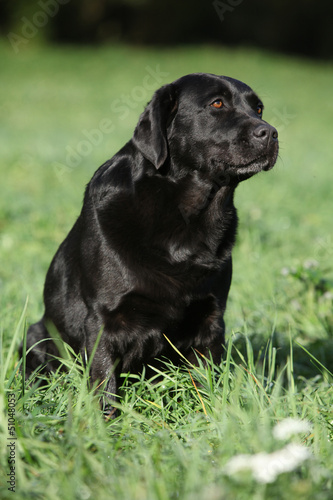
x,y
259,109
218,104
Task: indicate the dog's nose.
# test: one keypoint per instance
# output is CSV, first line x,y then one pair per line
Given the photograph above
x,y
265,132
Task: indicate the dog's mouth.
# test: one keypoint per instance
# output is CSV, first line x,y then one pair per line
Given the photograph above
x,y
236,171
259,164
242,172
256,165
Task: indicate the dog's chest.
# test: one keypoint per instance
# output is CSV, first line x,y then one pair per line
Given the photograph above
x,y
186,223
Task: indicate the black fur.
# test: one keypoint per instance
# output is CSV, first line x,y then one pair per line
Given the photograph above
x,y
150,253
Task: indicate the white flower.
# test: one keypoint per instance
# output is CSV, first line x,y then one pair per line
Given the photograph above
x,y
266,467
285,271
290,426
310,264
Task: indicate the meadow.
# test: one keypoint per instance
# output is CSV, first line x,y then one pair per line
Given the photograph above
x,y
191,432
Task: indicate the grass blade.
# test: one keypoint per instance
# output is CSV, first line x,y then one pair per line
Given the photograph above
x,y
226,374
14,343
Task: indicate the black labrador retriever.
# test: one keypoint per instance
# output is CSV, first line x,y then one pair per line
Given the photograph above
x,y
148,261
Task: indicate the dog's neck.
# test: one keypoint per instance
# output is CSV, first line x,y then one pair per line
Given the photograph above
x,y
198,193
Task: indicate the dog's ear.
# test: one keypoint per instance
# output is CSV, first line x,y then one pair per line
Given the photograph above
x,y
150,134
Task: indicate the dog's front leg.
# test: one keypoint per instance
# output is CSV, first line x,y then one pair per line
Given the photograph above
x,y
103,371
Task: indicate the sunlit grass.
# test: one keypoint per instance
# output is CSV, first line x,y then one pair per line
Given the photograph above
x,y
175,433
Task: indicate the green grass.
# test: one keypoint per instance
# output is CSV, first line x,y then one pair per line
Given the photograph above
x,y
173,438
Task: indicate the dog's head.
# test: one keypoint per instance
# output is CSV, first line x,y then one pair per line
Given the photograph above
x,y
209,123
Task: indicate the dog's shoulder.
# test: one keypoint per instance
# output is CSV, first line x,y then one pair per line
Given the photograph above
x,y
115,176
